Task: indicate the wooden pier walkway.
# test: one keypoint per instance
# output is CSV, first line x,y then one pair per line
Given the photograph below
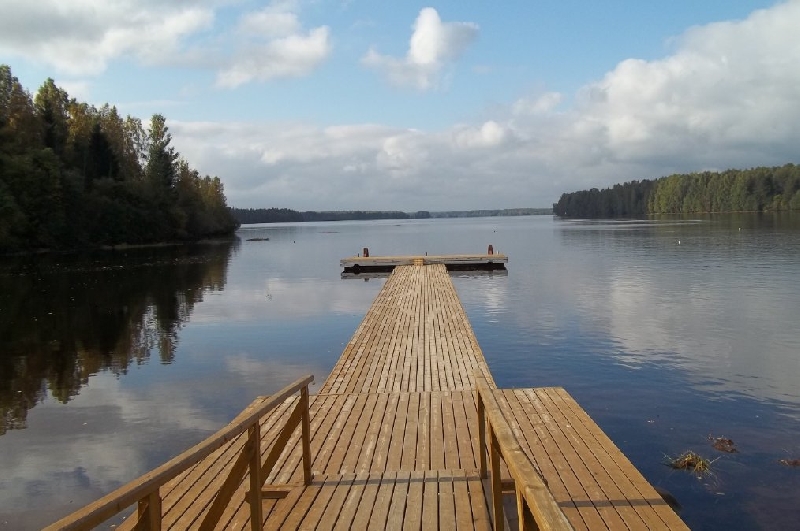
x,y
395,439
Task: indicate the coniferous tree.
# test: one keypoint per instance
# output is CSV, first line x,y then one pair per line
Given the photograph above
x,y
72,175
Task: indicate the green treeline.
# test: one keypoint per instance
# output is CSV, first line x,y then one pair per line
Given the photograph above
x,y
754,190
344,215
490,213
265,215
281,215
73,175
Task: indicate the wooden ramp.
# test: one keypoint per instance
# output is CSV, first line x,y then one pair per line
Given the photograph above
x,y
394,441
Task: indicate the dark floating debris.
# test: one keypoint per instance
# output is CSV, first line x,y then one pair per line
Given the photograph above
x,y
690,461
723,444
258,239
790,462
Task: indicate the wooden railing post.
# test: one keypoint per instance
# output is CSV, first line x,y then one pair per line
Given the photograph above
x,y
497,487
149,512
256,515
481,433
306,434
523,522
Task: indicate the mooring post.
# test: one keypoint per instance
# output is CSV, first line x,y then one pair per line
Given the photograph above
x,y
366,252
491,249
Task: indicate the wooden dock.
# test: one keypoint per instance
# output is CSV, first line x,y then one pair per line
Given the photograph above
x,y
401,435
457,262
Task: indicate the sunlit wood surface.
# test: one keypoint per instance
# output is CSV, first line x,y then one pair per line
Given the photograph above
x,y
394,439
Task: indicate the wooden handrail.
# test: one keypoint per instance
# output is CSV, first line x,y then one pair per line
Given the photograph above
x,y
530,488
144,489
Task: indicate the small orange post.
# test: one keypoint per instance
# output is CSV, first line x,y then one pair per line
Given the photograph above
x,y
491,250
366,252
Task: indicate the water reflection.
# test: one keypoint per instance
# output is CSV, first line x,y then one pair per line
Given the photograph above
x,y
67,318
702,295
698,337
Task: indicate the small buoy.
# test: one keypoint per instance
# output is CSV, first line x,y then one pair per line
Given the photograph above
x,y
679,242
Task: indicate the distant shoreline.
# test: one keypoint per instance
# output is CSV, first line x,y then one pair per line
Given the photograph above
x,y
254,216
119,247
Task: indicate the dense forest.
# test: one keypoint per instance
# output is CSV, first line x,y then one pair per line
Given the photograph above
x,y
280,215
754,190
73,175
490,213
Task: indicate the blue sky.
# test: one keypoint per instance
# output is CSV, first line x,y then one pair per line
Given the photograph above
x,y
315,104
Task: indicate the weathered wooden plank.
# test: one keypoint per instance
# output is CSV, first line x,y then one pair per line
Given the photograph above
x,y
538,443
480,511
349,504
408,461
599,493
447,507
377,461
612,463
368,501
383,500
412,519
437,453
430,500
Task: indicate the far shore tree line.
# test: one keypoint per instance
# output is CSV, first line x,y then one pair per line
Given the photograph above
x,y
764,189
73,175
283,215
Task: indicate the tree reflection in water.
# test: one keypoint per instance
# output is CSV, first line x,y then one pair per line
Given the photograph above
x,y
66,318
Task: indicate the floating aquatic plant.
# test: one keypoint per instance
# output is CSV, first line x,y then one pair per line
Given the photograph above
x,y
723,444
690,461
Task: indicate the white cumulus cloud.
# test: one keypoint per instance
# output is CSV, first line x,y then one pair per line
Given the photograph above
x,y
489,134
434,44
271,43
295,55
726,96
81,37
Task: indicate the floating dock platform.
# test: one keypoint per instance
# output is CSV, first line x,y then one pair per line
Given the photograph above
x,y
459,262
409,431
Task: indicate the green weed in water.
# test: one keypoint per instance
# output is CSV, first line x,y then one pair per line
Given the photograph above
x,y
690,461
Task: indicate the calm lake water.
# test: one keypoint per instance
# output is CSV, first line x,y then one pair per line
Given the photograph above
x,y
667,332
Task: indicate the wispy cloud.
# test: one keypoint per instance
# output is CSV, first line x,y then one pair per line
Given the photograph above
x,y
272,44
